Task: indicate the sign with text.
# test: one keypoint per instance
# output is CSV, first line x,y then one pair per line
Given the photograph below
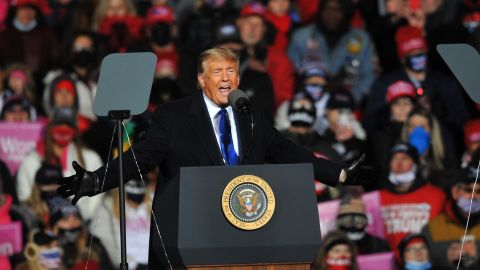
x,y
327,212
10,238
16,141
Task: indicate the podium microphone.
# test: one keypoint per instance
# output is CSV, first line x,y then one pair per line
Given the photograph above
x,y
240,102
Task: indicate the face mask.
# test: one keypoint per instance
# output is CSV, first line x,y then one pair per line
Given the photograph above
x,y
24,28
417,62
403,178
342,263
464,205
418,265
314,90
68,236
136,198
301,114
353,225
51,258
355,236
301,118
135,191
161,34
83,58
420,139
63,135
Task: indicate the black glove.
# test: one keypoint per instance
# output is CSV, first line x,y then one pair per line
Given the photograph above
x,y
360,174
82,183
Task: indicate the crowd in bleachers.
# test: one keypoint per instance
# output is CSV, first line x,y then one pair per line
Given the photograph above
x,y
339,77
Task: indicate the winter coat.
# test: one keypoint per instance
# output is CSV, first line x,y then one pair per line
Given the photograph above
x,y
33,161
353,48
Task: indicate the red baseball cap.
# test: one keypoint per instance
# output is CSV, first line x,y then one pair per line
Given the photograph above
x,y
253,8
409,39
66,85
42,5
400,89
472,131
161,14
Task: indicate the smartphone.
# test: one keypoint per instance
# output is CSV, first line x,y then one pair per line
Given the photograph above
x,y
415,4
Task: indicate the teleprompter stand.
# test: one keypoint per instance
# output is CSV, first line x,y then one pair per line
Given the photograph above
x,y
123,90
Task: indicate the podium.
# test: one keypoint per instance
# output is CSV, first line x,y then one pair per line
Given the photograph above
x,y
190,212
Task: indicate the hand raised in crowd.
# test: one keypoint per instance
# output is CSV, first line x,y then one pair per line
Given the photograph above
x,y
82,183
357,173
415,18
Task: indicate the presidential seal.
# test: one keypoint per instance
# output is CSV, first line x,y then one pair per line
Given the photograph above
x,y
248,202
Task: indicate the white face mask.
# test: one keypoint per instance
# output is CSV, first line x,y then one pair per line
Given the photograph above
x,y
355,236
403,178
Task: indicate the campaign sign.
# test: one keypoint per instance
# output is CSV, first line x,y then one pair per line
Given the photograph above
x,y
16,141
384,261
327,212
10,238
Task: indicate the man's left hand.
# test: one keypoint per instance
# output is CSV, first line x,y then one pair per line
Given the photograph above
x,y
357,173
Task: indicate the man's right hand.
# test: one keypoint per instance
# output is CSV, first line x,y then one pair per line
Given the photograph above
x,y
82,183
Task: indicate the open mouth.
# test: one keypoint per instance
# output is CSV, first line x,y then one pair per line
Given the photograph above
x,y
224,89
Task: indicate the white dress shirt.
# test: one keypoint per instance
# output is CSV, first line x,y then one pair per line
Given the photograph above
x,y
213,112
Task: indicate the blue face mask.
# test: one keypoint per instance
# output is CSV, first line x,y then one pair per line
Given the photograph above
x,y
24,28
464,205
420,139
314,90
417,62
418,265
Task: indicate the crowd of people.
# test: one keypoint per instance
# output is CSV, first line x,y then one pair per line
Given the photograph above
x,y
339,77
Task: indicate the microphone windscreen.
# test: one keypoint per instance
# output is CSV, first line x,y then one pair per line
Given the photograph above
x,y
238,99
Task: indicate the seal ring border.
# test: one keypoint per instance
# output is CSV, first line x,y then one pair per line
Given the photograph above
x,y
270,199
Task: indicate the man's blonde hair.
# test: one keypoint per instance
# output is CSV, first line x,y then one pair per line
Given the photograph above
x,y
216,52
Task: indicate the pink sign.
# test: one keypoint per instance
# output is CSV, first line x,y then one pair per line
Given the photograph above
x,y
10,238
327,211
16,141
384,261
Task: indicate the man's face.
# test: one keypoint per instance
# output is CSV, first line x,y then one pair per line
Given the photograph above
x,y
252,29
416,252
465,191
220,76
401,163
83,43
25,15
63,98
332,16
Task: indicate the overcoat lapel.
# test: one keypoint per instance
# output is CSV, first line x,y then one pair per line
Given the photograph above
x,y
202,127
